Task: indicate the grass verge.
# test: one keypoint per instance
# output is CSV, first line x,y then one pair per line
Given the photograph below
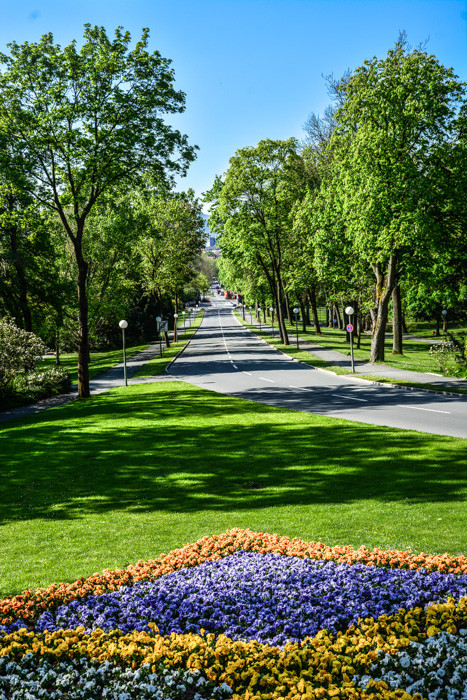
x,y
310,359
157,365
146,468
100,361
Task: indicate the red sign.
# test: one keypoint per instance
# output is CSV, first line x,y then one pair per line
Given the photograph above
x,y
350,328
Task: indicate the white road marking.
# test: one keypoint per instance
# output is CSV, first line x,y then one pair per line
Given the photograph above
x,y
352,398
249,373
419,408
433,374
267,380
235,366
291,386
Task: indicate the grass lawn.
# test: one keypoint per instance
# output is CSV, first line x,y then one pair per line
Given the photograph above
x,y
100,361
142,469
416,357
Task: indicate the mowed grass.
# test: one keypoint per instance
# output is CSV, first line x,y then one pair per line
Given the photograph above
x,y
100,361
415,356
143,469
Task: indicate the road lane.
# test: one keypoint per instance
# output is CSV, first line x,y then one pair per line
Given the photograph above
x,y
226,357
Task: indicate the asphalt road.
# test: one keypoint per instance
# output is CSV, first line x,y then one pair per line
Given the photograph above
x,y
226,357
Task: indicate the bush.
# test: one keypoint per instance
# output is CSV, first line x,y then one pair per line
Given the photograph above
x,y
451,355
20,350
20,382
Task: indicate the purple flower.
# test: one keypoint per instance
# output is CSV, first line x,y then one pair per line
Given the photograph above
x,y
271,598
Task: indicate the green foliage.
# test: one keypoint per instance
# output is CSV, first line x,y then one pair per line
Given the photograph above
x,y
253,206
20,351
29,387
84,123
451,355
172,242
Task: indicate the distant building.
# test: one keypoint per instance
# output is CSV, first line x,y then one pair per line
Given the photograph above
x,y
211,244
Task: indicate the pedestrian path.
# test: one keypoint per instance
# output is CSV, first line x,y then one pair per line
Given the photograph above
x,y
362,368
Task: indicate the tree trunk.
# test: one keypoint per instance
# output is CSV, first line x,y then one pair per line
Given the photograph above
x,y
22,282
288,307
280,312
83,329
340,324
303,315
314,310
384,288
57,347
175,319
396,321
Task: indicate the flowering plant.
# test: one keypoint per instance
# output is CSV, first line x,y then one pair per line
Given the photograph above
x,y
256,617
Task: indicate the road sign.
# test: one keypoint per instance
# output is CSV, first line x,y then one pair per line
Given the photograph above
x,y
163,326
350,328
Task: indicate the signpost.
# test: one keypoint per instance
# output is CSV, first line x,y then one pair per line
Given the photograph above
x,y
350,311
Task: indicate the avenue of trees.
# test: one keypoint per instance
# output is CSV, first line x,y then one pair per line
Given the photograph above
x,y
370,210
90,229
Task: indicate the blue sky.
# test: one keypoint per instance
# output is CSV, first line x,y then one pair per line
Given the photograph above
x,y
251,69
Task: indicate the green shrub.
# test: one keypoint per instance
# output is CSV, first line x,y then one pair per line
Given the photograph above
x,y
28,387
20,350
451,355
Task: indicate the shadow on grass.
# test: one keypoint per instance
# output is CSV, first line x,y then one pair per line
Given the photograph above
x,y
174,447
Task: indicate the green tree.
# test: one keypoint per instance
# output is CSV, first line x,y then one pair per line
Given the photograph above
x,y
172,243
86,121
254,208
391,132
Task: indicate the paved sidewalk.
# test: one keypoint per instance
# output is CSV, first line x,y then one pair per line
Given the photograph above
x,y
339,359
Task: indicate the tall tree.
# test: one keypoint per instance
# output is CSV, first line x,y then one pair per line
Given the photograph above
x,y
255,207
392,128
172,242
86,120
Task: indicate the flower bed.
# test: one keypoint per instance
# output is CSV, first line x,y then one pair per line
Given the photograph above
x,y
245,615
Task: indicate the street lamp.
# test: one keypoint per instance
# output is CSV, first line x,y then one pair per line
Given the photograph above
x,y
124,324
175,328
251,318
296,310
350,311
271,309
158,321
445,321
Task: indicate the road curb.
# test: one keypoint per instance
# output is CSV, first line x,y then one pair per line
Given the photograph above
x,y
361,379
184,348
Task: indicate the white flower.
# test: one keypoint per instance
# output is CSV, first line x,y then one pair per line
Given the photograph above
x,y
404,660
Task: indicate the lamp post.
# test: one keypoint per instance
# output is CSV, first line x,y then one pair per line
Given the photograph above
x,y
259,316
271,309
184,321
445,321
243,310
175,328
296,310
251,318
124,324
158,321
350,311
